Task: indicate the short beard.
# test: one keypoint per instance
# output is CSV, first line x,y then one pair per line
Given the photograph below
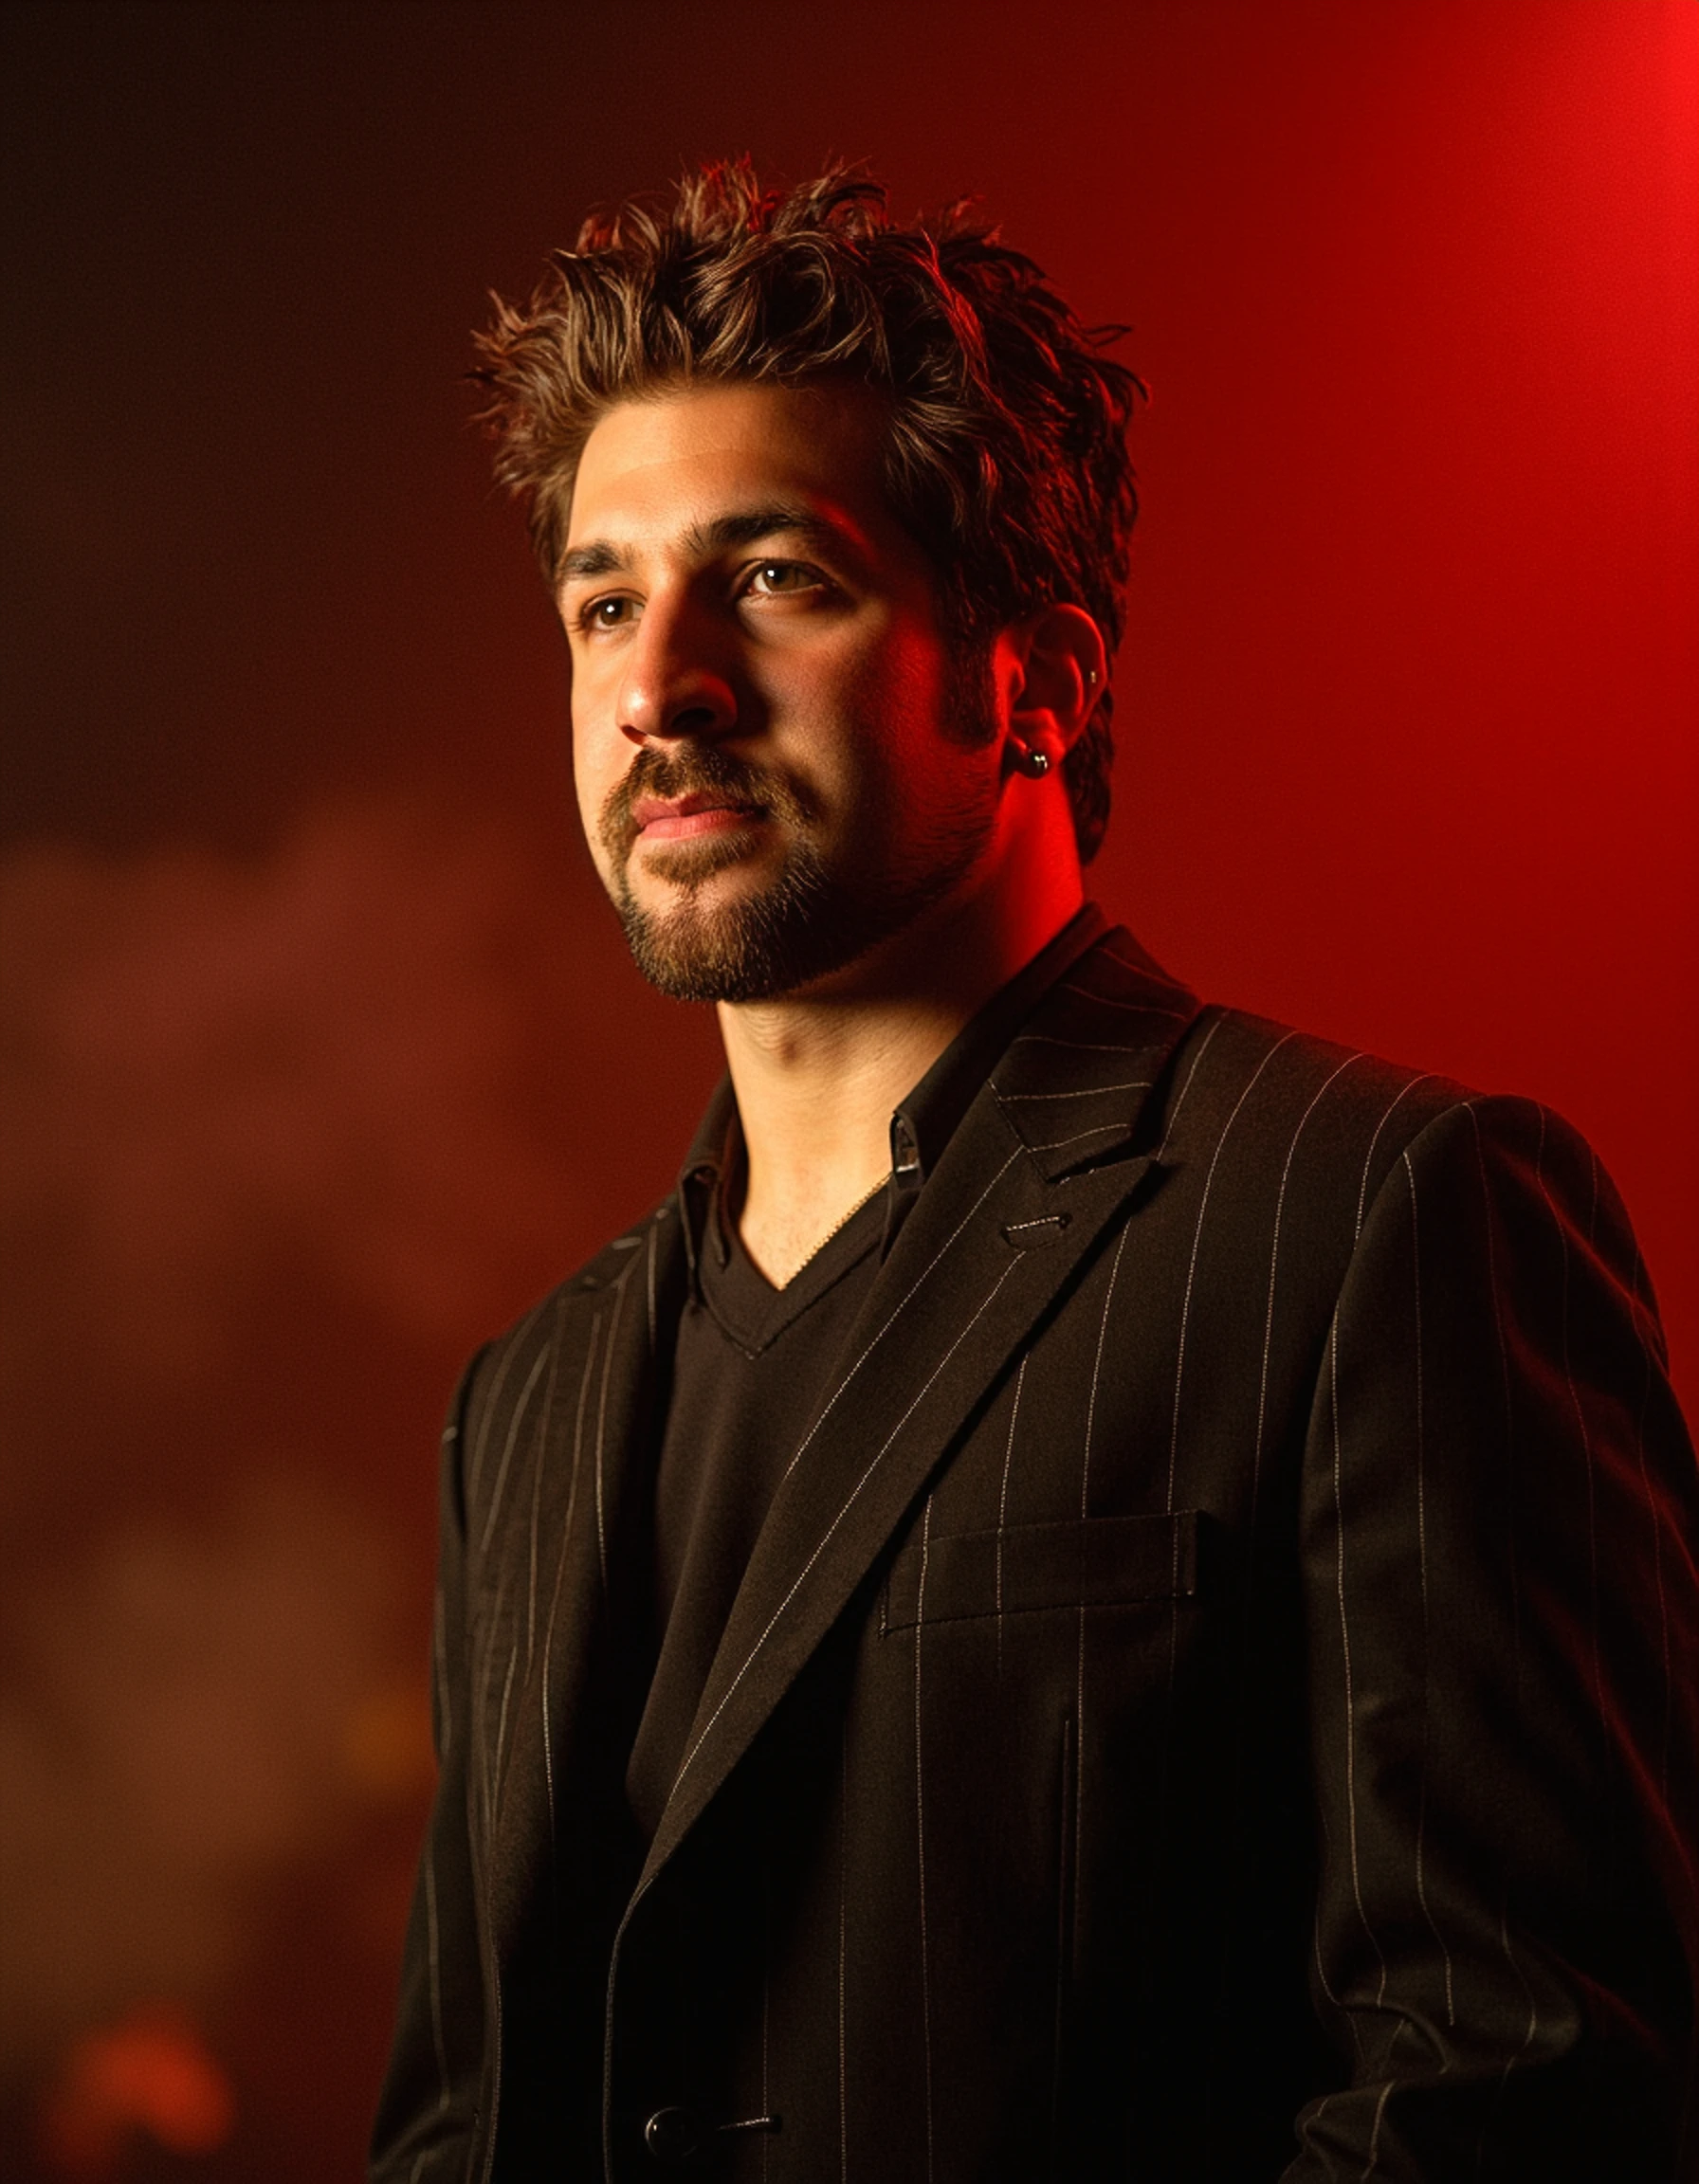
x,y
807,923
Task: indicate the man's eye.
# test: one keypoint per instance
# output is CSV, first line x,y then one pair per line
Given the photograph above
x,y
770,577
610,613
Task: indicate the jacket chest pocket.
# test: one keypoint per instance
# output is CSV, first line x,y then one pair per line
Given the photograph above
x,y
1088,1562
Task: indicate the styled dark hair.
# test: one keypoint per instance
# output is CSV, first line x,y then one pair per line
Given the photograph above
x,y
1006,441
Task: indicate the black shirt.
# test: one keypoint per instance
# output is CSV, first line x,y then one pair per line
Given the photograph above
x,y
751,1360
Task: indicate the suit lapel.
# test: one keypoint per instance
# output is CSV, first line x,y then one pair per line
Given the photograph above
x,y
562,1527
1044,1161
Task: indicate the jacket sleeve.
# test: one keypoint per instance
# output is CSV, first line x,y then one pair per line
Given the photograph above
x,y
1498,1548
428,2112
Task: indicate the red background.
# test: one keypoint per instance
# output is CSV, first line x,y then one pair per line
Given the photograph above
x,y
321,1055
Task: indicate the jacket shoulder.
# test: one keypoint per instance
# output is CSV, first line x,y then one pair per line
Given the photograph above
x,y
1258,1109
1205,1073
1268,1128
1231,1062
636,1255
1233,1070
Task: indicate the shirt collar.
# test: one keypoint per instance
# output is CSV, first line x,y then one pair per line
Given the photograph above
x,y
925,1121
926,1118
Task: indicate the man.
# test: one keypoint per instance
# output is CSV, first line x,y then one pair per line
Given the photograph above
x,y
1106,1589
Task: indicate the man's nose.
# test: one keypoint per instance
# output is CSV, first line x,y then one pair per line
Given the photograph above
x,y
673,687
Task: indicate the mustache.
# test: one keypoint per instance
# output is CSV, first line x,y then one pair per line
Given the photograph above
x,y
697,768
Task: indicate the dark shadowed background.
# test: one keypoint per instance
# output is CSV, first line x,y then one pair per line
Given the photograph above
x,y
321,1057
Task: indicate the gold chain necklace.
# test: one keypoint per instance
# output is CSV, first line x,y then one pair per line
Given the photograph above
x,y
844,1219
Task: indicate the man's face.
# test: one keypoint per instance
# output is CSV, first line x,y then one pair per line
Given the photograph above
x,y
770,762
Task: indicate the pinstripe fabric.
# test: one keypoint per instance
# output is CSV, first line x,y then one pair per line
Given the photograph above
x,y
1213,1698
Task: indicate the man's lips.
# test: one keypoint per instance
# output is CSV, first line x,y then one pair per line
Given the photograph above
x,y
679,818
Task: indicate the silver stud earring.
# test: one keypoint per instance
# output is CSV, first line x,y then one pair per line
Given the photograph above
x,y
1033,762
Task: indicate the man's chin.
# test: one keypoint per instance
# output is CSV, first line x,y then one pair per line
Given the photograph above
x,y
762,932
739,942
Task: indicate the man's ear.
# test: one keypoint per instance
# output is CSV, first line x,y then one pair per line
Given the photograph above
x,y
1058,668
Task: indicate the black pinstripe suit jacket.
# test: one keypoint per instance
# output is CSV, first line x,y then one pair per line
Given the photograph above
x,y
1213,1699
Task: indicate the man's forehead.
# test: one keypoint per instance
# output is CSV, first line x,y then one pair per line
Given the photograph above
x,y
669,467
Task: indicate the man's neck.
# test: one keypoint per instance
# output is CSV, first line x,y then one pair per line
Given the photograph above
x,y
817,1076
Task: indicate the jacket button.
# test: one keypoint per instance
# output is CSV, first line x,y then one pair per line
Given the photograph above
x,y
673,2134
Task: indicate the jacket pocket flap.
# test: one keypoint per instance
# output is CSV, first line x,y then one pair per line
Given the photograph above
x,y
1089,1562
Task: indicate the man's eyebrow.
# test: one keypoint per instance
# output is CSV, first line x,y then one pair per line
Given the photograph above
x,y
741,527
744,527
600,560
